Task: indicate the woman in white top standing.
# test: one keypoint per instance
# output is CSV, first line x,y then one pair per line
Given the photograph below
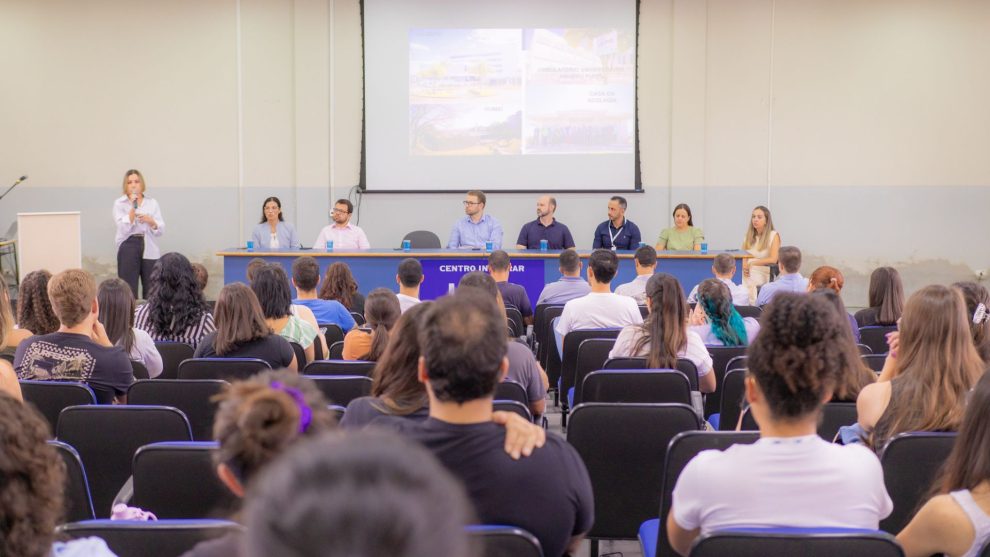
x,y
117,316
139,223
762,242
273,232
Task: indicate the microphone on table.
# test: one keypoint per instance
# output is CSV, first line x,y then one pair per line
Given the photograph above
x,y
14,185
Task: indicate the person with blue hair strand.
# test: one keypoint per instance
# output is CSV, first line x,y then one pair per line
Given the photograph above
x,y
716,320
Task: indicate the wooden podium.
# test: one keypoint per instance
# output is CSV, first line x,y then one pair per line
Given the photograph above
x,y
51,241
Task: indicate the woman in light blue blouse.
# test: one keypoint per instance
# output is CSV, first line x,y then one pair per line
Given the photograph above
x,y
273,232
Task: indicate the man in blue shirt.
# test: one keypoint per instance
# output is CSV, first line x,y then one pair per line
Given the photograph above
x,y
306,277
790,280
476,228
545,227
617,232
570,285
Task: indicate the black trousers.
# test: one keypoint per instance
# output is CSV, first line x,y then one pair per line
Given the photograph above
x,y
131,265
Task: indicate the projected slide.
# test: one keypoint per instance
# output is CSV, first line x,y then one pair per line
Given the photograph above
x,y
521,91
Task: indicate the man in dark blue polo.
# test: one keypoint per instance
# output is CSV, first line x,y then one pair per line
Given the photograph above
x,y
545,227
617,232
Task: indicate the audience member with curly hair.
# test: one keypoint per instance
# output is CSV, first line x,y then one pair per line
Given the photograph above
x,y
852,374
176,310
793,478
34,309
717,321
978,310
339,285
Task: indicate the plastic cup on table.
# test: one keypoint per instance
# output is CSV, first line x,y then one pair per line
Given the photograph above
x,y
489,246
330,245
406,245
704,247
250,245
544,245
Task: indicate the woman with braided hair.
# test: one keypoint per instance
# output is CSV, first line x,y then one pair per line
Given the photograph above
x,y
716,320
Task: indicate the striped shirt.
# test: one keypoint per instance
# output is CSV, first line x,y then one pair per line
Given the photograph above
x,y
298,331
191,335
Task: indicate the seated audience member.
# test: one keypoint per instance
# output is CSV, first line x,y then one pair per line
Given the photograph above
x,y
790,477
34,309
664,336
242,331
33,488
463,340
931,366
176,310
202,276
252,266
476,228
339,285
645,262
977,301
885,297
523,367
956,520
12,336
717,321
381,311
545,227
852,373
568,286
8,377
306,277
271,286
513,294
826,277
724,267
257,420
80,349
358,494
409,278
116,301
789,280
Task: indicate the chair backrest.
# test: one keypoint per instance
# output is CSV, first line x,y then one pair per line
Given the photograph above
x,y
192,396
864,350
515,320
592,355
51,397
874,361
179,480
151,538
332,333
875,336
636,385
720,358
173,354
226,369
422,239
807,542
911,462
300,354
683,447
569,359
738,362
834,416
140,370
78,503
358,318
733,394
684,366
342,389
623,447
338,411
543,317
340,367
513,406
506,541
336,351
510,390
749,311
107,437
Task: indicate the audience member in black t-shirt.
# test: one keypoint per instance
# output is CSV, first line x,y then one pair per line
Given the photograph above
x,y
512,294
242,331
80,349
463,341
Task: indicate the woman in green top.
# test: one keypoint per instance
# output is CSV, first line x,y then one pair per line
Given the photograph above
x,y
684,235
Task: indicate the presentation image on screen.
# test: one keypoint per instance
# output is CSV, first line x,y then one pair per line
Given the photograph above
x,y
546,103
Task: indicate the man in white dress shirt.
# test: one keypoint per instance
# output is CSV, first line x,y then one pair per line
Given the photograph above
x,y
342,233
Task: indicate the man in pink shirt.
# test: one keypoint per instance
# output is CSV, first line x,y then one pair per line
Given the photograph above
x,y
342,233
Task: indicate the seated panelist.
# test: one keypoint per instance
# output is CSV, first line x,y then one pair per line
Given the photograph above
x,y
272,232
545,227
342,233
617,232
684,235
476,228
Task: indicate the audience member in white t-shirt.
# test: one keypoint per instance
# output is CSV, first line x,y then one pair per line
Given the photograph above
x,y
724,268
716,320
409,278
645,261
790,477
664,335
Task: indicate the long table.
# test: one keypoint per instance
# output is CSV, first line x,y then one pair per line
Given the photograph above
x,y
443,268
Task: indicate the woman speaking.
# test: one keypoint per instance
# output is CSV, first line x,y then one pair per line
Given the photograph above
x,y
273,232
139,223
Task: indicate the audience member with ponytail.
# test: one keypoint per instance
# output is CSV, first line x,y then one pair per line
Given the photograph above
x,y
381,311
978,309
792,477
830,278
664,336
885,297
716,320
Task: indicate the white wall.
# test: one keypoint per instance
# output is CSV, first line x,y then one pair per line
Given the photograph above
x,y
864,125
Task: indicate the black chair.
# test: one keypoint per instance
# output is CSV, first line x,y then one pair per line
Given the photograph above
x,y
173,354
510,390
358,318
192,396
513,406
78,503
179,480
911,462
551,358
684,366
140,370
749,311
505,541
422,239
683,447
834,416
739,362
338,411
875,337
592,355
874,361
300,353
985,550
636,385
342,389
51,397
569,358
806,542
226,369
332,333
515,320
340,367
864,350
541,328
644,311
733,395
108,436
623,447
336,351
151,538
720,358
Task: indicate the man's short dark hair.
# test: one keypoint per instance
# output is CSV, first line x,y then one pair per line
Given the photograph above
x,y
350,206
604,264
724,264
480,195
479,280
306,273
646,256
621,200
789,258
463,341
499,261
570,261
410,272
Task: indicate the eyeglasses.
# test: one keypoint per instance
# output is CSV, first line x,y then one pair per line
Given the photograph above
x,y
466,203
340,212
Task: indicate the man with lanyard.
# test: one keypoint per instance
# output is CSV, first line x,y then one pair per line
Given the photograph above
x,y
617,232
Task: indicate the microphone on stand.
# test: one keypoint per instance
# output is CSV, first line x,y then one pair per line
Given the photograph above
x,y
14,185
